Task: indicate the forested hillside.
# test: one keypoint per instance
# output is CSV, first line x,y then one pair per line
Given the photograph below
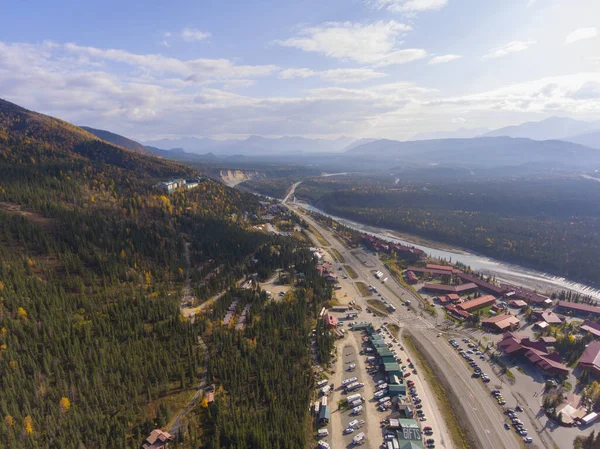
x,y
121,141
92,261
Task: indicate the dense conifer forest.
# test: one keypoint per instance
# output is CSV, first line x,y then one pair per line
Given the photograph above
x,y
92,262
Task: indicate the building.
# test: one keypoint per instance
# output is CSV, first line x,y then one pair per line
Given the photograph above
x,y
517,303
409,434
534,351
485,286
451,298
446,289
445,268
324,416
330,321
590,360
411,277
477,303
578,309
591,327
158,440
548,316
501,323
457,313
531,297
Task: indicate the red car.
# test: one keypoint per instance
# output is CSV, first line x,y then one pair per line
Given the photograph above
x,y
410,383
408,360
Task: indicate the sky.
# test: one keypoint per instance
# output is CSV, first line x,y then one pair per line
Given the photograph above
x,y
316,68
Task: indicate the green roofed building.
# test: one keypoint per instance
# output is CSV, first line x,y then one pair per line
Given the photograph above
x,y
396,390
411,445
388,359
409,434
393,366
385,352
361,326
324,415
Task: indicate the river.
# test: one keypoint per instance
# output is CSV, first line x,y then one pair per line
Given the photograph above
x,y
504,272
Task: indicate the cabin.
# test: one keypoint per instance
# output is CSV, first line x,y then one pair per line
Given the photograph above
x,y
158,440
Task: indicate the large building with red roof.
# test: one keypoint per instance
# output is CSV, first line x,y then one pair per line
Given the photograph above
x,y
477,303
458,289
534,351
590,360
501,323
578,309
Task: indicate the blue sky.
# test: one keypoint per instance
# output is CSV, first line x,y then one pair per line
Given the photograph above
x,y
364,68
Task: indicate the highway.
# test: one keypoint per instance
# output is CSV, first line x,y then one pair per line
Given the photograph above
x,y
484,415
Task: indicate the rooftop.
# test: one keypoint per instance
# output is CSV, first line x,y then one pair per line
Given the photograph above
x,y
591,356
477,303
579,307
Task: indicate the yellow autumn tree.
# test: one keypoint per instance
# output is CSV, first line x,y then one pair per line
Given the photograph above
x,y
204,403
21,313
9,421
65,404
28,424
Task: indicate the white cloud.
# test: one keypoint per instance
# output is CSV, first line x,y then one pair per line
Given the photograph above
x,y
147,96
442,59
410,6
289,74
375,43
194,69
193,35
511,47
581,34
334,75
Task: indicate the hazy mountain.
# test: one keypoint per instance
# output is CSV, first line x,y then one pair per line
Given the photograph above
x,y
591,140
481,152
254,145
357,143
548,129
179,154
462,133
118,140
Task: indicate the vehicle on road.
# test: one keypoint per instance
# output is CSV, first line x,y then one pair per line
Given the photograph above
x,y
528,440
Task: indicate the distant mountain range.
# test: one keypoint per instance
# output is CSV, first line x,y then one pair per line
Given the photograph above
x,y
462,133
482,152
561,128
254,145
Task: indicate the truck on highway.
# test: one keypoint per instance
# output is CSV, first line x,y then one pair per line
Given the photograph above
x,y
391,308
378,274
384,280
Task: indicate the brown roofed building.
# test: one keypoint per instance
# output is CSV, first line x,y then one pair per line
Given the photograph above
x,y
590,360
591,327
458,289
578,308
535,352
501,323
458,313
330,321
485,286
411,277
517,303
548,316
477,303
440,267
158,440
